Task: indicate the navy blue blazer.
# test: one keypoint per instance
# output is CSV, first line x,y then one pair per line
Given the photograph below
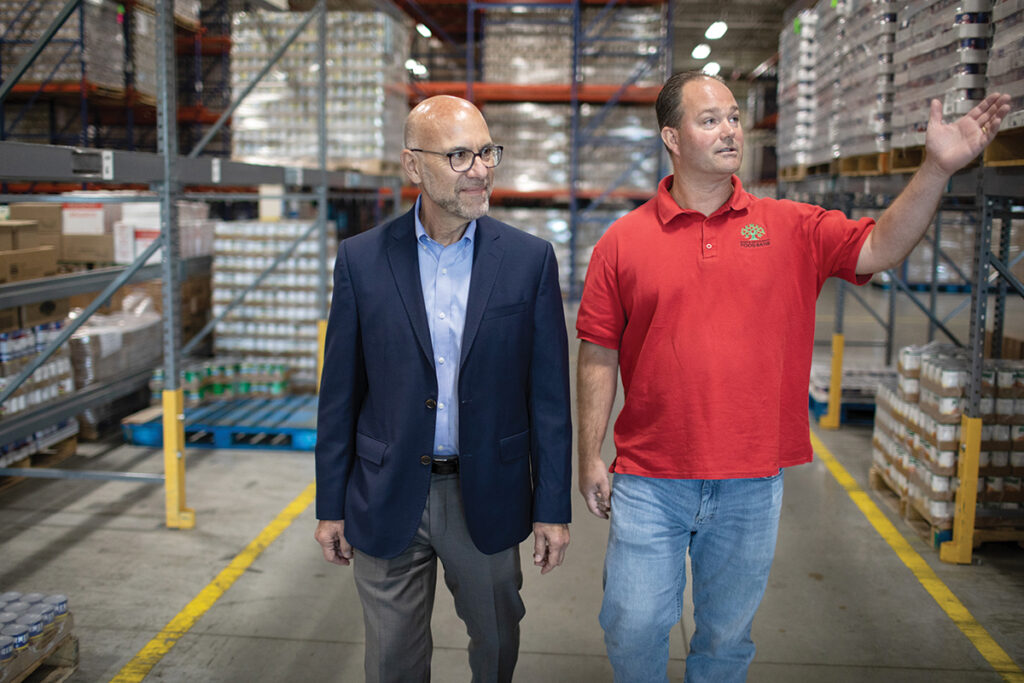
x,y
378,391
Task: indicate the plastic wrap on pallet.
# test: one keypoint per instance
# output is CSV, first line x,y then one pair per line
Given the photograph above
x,y
89,46
366,88
941,52
108,347
824,146
277,322
864,114
1006,58
798,55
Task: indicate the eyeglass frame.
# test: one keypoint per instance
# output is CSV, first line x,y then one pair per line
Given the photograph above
x,y
451,162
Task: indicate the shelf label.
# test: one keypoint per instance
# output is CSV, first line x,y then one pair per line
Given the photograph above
x,y
215,170
107,164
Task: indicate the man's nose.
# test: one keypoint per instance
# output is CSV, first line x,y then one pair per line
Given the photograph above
x,y
477,169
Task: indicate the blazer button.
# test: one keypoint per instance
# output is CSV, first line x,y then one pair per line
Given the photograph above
x,y
431,403
424,459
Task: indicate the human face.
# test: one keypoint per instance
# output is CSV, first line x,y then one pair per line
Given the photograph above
x,y
709,137
460,196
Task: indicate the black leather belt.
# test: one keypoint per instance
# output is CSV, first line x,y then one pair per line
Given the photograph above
x,y
449,466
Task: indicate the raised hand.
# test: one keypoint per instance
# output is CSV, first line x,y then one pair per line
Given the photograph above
x,y
952,146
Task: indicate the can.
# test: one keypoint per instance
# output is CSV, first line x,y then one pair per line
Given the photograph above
x,y
17,607
10,596
18,633
7,618
6,649
32,598
35,623
59,603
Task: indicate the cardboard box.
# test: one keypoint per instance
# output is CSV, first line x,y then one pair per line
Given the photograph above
x,y
27,264
112,306
47,215
18,234
87,249
9,320
89,219
131,240
43,312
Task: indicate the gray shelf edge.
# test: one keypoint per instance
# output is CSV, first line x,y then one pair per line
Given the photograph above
x,y
23,425
22,162
59,286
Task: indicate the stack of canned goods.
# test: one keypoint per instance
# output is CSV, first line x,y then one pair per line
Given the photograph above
x,y
219,379
25,618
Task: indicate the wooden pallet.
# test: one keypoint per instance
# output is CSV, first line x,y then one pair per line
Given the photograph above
x,y
53,659
932,531
887,491
792,174
48,457
906,160
1007,149
865,165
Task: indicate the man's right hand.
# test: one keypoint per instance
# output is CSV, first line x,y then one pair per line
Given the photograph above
x,y
595,487
330,534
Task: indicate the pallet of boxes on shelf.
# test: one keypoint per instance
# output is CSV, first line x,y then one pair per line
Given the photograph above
x,y
916,441
276,323
186,12
941,52
88,49
366,90
864,117
798,53
823,147
1005,74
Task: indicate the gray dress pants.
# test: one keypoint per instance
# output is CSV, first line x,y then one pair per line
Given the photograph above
x,y
398,596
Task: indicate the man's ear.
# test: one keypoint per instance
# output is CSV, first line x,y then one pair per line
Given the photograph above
x,y
670,136
410,164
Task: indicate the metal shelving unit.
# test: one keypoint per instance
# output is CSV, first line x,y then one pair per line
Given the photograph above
x,y
168,175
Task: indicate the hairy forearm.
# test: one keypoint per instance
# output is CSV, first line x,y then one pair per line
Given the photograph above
x,y
906,220
596,379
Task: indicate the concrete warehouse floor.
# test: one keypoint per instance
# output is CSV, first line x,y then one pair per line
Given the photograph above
x,y
841,605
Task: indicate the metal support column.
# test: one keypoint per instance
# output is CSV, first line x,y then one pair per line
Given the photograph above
x,y
321,293
177,515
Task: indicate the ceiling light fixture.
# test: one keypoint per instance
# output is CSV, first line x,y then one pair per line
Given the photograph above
x,y
423,30
701,51
716,30
712,68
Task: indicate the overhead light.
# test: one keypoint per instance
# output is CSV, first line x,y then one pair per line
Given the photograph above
x,y
410,64
701,51
712,68
716,30
423,30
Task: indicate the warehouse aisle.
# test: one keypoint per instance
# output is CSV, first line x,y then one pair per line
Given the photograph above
x,y
841,605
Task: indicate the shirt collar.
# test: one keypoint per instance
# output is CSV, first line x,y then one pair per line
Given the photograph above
x,y
421,233
668,209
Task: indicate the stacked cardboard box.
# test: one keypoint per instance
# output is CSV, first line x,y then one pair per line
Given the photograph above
x,y
864,115
917,432
91,50
366,88
941,52
277,322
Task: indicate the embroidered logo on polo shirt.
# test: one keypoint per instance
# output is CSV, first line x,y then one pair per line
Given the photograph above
x,y
754,235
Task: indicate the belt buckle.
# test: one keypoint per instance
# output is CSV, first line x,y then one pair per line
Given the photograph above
x,y
447,466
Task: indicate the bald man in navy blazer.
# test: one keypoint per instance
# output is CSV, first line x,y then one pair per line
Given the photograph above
x,y
444,419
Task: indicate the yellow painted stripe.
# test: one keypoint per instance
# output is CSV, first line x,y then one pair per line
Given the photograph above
x,y
950,604
148,657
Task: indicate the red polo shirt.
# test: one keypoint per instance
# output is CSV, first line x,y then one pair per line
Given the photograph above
x,y
713,318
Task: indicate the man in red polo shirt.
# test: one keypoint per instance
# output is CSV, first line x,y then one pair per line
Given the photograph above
x,y
704,297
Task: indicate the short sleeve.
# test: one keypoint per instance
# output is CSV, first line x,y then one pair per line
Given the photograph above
x,y
835,242
602,318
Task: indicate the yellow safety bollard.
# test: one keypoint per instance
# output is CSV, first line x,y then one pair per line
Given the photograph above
x,y
830,420
958,551
178,516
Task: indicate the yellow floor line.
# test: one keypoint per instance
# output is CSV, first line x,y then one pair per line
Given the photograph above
x,y
148,657
979,637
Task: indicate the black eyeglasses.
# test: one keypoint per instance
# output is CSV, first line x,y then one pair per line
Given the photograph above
x,y
461,160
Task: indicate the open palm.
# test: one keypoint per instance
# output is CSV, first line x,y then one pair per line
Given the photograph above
x,y
953,145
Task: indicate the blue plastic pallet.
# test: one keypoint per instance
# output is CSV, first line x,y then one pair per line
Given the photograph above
x,y
849,413
270,423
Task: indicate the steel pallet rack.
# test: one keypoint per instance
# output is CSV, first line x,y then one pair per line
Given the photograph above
x,y
168,174
997,196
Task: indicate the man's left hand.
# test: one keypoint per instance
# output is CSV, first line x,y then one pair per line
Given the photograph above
x,y
952,146
549,544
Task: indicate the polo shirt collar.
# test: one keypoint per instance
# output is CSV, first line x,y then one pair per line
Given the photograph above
x,y
668,209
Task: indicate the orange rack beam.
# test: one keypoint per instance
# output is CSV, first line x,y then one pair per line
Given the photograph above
x,y
506,92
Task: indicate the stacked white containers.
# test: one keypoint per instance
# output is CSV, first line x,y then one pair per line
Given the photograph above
x,y
1006,61
866,79
824,145
276,323
941,52
797,57
366,88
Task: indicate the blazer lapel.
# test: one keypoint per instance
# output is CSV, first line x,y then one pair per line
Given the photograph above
x,y
486,261
405,267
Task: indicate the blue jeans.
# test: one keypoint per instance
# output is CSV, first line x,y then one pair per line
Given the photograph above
x,y
730,527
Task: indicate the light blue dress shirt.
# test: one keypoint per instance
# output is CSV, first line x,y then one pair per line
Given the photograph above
x,y
444,279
